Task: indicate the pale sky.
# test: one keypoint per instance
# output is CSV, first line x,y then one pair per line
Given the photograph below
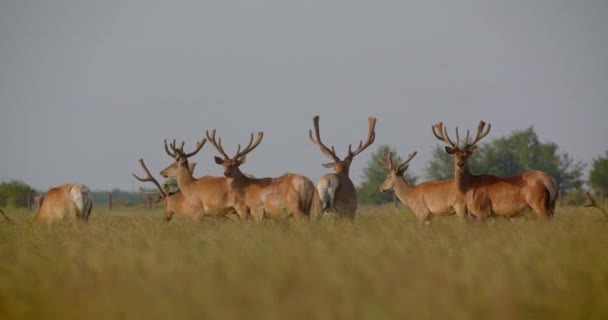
x,y
89,87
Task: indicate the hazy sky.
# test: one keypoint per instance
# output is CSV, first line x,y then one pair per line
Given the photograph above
x,y
89,87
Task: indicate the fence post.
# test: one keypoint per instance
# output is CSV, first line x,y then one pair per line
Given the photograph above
x,y
110,201
149,203
29,201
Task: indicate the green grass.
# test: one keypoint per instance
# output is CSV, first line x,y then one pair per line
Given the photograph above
x,y
133,265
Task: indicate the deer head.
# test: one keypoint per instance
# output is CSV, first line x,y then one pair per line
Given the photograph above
x,y
395,170
231,164
180,157
460,154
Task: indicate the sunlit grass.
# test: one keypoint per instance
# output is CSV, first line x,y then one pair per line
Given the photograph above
x,y
126,264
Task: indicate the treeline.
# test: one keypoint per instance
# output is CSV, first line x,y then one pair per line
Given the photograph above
x,y
514,154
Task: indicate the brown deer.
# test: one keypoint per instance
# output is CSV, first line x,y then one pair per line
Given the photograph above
x,y
427,199
208,195
336,191
288,195
173,202
69,200
487,195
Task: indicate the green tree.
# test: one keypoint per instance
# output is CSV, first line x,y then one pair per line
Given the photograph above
x,y
514,154
14,194
598,176
374,175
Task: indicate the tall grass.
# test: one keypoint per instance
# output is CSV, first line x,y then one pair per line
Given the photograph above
x,y
133,265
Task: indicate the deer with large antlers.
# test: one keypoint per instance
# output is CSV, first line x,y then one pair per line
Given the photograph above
x,y
427,199
487,195
69,200
172,202
208,195
336,190
285,196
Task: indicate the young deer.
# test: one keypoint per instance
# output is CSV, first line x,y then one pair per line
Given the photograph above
x,y
69,200
486,194
336,191
208,195
290,194
427,199
173,202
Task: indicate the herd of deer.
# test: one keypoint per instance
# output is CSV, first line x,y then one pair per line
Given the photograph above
x,y
237,195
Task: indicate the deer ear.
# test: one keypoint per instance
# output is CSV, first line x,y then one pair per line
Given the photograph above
x,y
450,150
243,159
219,160
329,165
473,150
191,166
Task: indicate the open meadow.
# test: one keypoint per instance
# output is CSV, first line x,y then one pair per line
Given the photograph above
x,y
130,264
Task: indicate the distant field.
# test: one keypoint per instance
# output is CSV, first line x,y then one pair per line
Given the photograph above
x,y
129,264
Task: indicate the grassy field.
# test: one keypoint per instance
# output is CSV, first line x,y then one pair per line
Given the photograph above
x,y
130,264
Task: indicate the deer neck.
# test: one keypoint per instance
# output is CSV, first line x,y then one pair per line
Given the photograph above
x,y
463,178
402,189
239,180
184,179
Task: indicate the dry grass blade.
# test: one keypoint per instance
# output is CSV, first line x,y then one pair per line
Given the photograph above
x,y
594,203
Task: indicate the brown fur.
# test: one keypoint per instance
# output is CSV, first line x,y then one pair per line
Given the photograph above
x,y
58,203
208,195
427,199
282,197
487,195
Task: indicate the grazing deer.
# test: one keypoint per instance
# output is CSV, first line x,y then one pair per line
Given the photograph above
x,y
502,196
173,202
427,199
69,200
288,195
208,195
336,191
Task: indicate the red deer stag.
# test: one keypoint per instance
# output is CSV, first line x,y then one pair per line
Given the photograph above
x,y
69,200
288,195
208,195
173,202
336,191
427,199
502,196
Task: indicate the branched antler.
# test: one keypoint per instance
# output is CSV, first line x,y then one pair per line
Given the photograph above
x,y
441,133
594,204
176,152
330,153
239,154
149,178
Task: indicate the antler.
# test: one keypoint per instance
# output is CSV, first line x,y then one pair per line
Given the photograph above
x,y
331,153
388,163
371,136
176,152
480,134
149,178
401,165
441,133
594,204
239,154
404,164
